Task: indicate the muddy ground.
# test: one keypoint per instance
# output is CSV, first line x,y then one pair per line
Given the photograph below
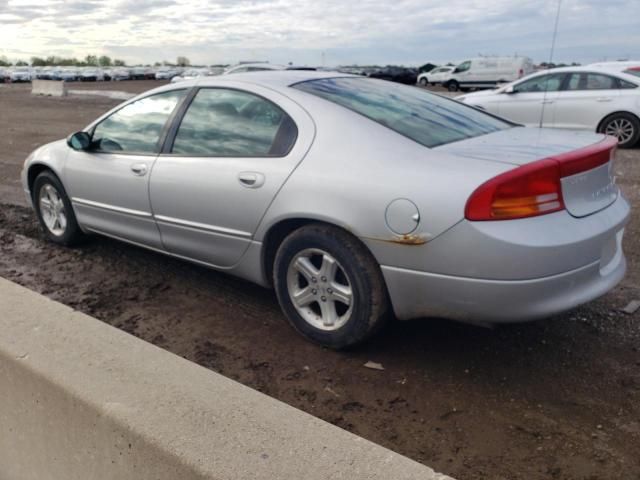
x,y
555,399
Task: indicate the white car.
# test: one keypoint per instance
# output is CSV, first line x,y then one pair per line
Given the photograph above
x,y
437,76
120,74
20,74
252,67
579,98
166,73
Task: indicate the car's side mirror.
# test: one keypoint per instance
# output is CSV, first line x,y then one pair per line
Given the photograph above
x,y
79,141
510,90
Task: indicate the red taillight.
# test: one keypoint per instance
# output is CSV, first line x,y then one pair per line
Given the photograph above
x,y
534,189
521,73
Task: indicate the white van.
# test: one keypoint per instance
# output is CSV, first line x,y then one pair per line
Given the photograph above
x,y
487,72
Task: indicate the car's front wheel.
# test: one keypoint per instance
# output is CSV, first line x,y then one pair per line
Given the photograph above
x,y
453,86
624,126
329,286
54,210
423,81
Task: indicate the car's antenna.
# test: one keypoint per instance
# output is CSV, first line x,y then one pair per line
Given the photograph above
x,y
553,46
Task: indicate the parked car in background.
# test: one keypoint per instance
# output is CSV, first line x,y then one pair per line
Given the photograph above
x,y
631,67
437,76
69,74
580,98
190,74
166,73
4,75
91,75
252,67
408,76
20,74
354,198
118,74
487,72
620,66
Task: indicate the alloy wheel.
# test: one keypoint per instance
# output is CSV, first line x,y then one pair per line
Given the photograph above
x,y
320,289
621,128
52,210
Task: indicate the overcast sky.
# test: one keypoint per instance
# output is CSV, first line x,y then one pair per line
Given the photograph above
x,y
408,32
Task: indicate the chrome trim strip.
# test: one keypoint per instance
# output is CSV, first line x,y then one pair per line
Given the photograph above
x,y
104,206
202,226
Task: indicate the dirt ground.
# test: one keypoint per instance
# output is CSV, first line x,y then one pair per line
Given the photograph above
x,y
555,399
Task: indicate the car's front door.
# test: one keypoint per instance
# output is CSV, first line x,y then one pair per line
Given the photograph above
x,y
532,101
223,164
585,100
109,183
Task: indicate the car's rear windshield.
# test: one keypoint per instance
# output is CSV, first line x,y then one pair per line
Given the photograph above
x,y
633,71
426,118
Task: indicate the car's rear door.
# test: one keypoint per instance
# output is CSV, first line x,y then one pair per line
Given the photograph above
x,y
229,153
109,183
585,100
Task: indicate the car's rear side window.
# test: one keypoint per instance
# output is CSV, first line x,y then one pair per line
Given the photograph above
x,y
223,122
426,118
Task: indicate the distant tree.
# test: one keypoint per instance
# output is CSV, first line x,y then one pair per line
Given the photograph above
x,y
183,62
38,62
119,63
4,61
21,63
91,60
157,64
104,61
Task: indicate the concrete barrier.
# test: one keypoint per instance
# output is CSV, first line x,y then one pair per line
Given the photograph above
x,y
49,88
81,400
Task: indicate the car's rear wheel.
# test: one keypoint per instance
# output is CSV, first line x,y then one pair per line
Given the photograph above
x,y
54,210
423,81
329,286
453,86
624,126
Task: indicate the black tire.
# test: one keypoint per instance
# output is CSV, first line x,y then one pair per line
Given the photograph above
x,y
72,234
369,305
453,86
423,82
627,119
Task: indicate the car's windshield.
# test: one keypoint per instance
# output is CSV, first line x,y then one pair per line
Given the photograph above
x,y
426,118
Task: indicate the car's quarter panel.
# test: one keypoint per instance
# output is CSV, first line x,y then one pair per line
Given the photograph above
x,y
201,206
357,168
109,197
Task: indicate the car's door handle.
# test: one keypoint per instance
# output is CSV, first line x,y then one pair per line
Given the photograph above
x,y
139,169
604,99
251,179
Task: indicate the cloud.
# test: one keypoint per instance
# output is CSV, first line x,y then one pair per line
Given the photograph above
x,y
369,31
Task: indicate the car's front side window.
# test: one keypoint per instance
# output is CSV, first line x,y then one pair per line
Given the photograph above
x,y
232,123
137,127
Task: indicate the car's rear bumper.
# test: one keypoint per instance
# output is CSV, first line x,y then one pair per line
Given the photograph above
x,y
416,294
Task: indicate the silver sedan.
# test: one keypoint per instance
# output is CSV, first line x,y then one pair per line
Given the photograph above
x,y
357,200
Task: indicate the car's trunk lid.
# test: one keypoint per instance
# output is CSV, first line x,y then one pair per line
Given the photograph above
x,y
588,183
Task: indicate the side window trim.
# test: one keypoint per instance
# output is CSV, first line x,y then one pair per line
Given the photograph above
x,y
182,111
163,133
176,120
